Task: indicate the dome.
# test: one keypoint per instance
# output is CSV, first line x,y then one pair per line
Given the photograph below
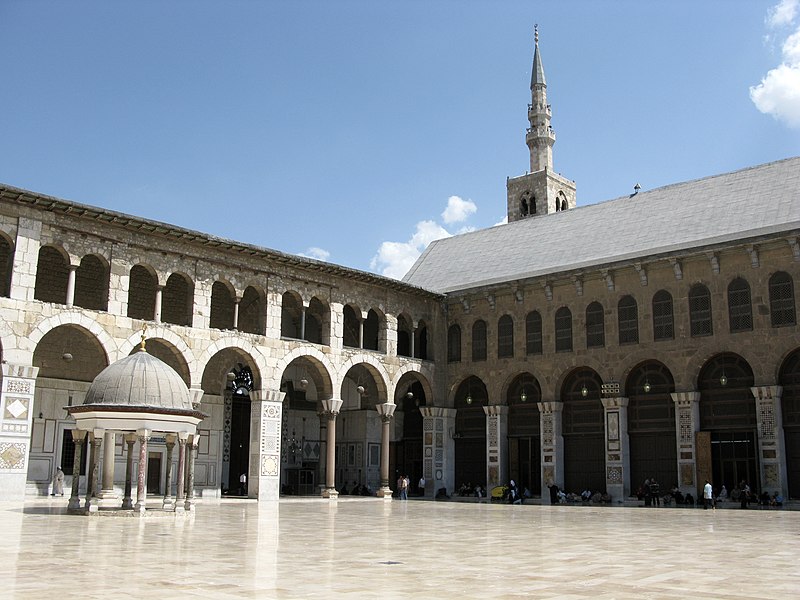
x,y
140,380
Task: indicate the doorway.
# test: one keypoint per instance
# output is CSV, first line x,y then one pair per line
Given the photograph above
x,y
154,473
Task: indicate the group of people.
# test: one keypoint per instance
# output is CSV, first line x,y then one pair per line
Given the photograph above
x,y
559,496
357,490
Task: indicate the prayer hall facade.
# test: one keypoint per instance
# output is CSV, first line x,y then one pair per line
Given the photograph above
x,y
592,347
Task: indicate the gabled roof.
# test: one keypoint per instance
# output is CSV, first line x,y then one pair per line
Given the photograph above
x,y
757,201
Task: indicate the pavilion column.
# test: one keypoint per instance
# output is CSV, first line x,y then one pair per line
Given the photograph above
x,y
157,311
143,435
192,450
180,489
127,501
236,303
331,406
771,444
550,414
438,448
71,285
95,440
496,445
687,426
78,436
169,501
107,496
618,460
386,412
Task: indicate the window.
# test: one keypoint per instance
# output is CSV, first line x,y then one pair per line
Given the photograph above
x,y
740,310
700,311
454,344
505,337
781,300
563,330
628,320
663,320
595,326
533,333
479,340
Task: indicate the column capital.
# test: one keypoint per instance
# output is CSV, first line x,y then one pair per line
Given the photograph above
x,y
495,410
437,411
618,402
267,396
20,371
78,435
550,407
332,405
767,392
386,410
685,398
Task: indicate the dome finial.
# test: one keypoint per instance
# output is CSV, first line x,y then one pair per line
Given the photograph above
x,y
144,337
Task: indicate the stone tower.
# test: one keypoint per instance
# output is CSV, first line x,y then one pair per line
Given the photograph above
x,y
541,191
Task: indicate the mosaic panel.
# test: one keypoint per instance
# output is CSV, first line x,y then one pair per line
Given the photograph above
x,y
427,425
766,420
439,440
429,438
428,468
15,427
771,474
18,386
269,465
438,475
16,408
439,425
439,456
549,475
685,429
687,474
547,430
614,475
492,433
12,455
428,452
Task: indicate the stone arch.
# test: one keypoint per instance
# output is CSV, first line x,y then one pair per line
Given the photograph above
x,y
240,346
92,283
405,372
223,296
322,366
171,342
177,299
405,334
57,350
351,316
143,283
253,310
318,321
375,330
52,274
291,314
74,318
376,372
583,430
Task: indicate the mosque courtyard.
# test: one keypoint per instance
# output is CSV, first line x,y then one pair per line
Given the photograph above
x,y
369,548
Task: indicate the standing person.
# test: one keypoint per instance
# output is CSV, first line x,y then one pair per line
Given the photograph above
x,y
243,484
402,487
708,495
655,492
58,483
646,489
421,485
744,493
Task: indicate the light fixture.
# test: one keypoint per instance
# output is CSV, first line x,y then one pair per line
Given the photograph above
x,y
361,390
409,394
584,391
469,398
523,397
231,376
303,383
723,381
66,357
646,386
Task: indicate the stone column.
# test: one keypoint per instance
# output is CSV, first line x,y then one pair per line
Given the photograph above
x,y
180,486
496,445
143,435
169,500
71,285
107,496
386,412
157,310
411,336
191,448
550,414
618,459
771,443
264,476
361,332
95,441
78,436
438,449
236,303
16,421
687,423
331,406
127,501
303,322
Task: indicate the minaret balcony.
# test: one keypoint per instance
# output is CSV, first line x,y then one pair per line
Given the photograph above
x,y
539,110
540,132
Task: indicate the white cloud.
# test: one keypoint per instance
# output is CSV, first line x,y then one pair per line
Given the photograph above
x,y
458,210
394,259
778,94
318,253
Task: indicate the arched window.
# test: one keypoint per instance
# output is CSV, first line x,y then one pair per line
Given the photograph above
x,y
6,266
740,310
142,293
291,315
252,309
595,326
454,344
563,330
372,330
628,320
781,300
663,320
52,274
91,284
222,304
505,337
351,327
533,333
523,206
700,311
317,322
421,341
479,340
404,336
177,301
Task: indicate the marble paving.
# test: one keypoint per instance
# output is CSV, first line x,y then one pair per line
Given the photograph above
x,y
368,548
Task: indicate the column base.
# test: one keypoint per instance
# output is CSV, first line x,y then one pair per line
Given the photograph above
x,y
107,499
330,493
168,504
74,503
385,493
92,508
188,506
127,504
139,507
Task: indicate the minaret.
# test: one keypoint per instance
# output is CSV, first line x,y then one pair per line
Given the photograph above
x,y
541,191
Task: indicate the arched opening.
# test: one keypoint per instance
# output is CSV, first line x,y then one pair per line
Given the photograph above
x,y
584,432
421,341
404,336
291,316
505,337
317,322
142,293
406,453
563,326
789,379
228,380
91,283
52,274
470,433
651,424
628,320
479,340
169,354
454,343
533,333
727,433
663,319
524,443
374,327
352,327
740,308
305,382
6,265
700,316
781,300
177,300
595,326
222,306
252,312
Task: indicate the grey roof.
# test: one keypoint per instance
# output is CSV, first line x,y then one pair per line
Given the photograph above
x,y
537,72
140,380
757,201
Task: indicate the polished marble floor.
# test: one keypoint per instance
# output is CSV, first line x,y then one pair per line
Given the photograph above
x,y
368,548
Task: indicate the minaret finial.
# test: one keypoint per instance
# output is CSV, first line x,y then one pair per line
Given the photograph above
x,y
144,337
536,33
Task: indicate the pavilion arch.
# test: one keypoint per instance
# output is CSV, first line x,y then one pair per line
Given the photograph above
x,y
52,274
317,385
6,263
57,351
239,347
317,361
168,353
72,318
699,361
587,362
363,371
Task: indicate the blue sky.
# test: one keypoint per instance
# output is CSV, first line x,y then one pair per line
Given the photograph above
x,y
344,130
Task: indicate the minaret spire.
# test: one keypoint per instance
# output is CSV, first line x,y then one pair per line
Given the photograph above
x,y
540,136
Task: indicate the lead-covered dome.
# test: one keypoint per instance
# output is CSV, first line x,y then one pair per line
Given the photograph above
x,y
139,380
